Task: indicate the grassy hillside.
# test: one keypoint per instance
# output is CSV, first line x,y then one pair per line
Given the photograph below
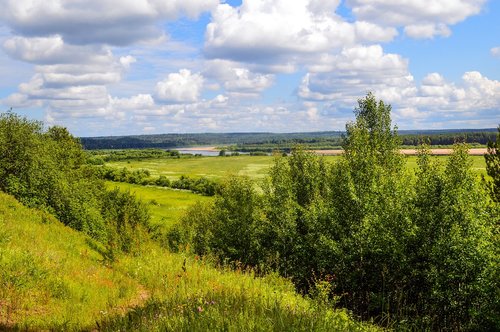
x,y
53,277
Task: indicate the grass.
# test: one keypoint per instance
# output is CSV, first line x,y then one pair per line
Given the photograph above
x,y
166,205
255,167
54,278
51,275
210,167
478,163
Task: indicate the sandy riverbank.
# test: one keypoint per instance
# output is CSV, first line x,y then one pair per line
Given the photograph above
x,y
200,148
410,152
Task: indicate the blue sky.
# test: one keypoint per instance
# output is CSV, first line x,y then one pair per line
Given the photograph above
x,y
106,67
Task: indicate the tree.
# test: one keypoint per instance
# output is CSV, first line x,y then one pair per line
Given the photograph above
x,y
48,170
492,159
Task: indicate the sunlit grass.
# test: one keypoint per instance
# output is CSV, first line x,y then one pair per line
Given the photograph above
x,y
54,278
255,167
166,205
51,275
211,167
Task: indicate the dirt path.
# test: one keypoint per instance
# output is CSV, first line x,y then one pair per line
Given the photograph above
x,y
410,152
139,299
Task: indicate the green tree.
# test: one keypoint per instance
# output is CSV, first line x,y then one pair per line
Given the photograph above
x,y
492,159
47,169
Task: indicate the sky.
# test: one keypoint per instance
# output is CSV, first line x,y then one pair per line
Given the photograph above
x,y
108,67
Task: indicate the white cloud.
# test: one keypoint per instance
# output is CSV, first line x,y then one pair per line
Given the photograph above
x,y
277,31
97,21
421,31
180,87
355,71
126,61
475,93
69,77
421,18
495,51
339,80
53,50
236,79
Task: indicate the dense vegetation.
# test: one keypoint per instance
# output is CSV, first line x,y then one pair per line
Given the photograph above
x,y
107,273
47,169
54,278
99,157
493,167
417,251
411,249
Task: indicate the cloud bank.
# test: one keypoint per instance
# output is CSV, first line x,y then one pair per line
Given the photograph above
x,y
98,66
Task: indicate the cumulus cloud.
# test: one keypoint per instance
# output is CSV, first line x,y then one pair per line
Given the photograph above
x,y
77,66
97,21
474,93
53,50
180,87
339,80
420,19
236,79
354,72
421,31
278,30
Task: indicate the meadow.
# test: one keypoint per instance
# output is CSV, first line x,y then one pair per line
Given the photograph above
x,y
166,205
79,253
255,167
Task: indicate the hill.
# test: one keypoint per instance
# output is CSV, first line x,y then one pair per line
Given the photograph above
x,y
53,277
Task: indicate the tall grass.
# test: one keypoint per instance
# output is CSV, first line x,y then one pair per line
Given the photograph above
x,y
54,278
188,294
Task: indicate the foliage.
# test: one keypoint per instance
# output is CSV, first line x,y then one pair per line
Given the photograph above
x,y
201,185
411,251
492,159
48,169
99,157
60,284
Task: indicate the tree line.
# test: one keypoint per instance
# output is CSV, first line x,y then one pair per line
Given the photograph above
x,y
415,251
269,142
202,185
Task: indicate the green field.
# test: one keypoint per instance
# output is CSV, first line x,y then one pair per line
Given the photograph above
x,y
166,205
255,167
210,167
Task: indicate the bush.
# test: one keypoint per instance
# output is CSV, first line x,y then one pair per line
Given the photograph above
x,y
49,170
410,251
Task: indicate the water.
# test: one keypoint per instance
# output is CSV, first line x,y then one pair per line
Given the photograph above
x,y
201,152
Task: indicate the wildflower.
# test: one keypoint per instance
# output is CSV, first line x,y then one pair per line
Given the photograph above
x,y
200,309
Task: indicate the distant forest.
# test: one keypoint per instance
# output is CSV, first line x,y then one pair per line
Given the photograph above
x,y
270,141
